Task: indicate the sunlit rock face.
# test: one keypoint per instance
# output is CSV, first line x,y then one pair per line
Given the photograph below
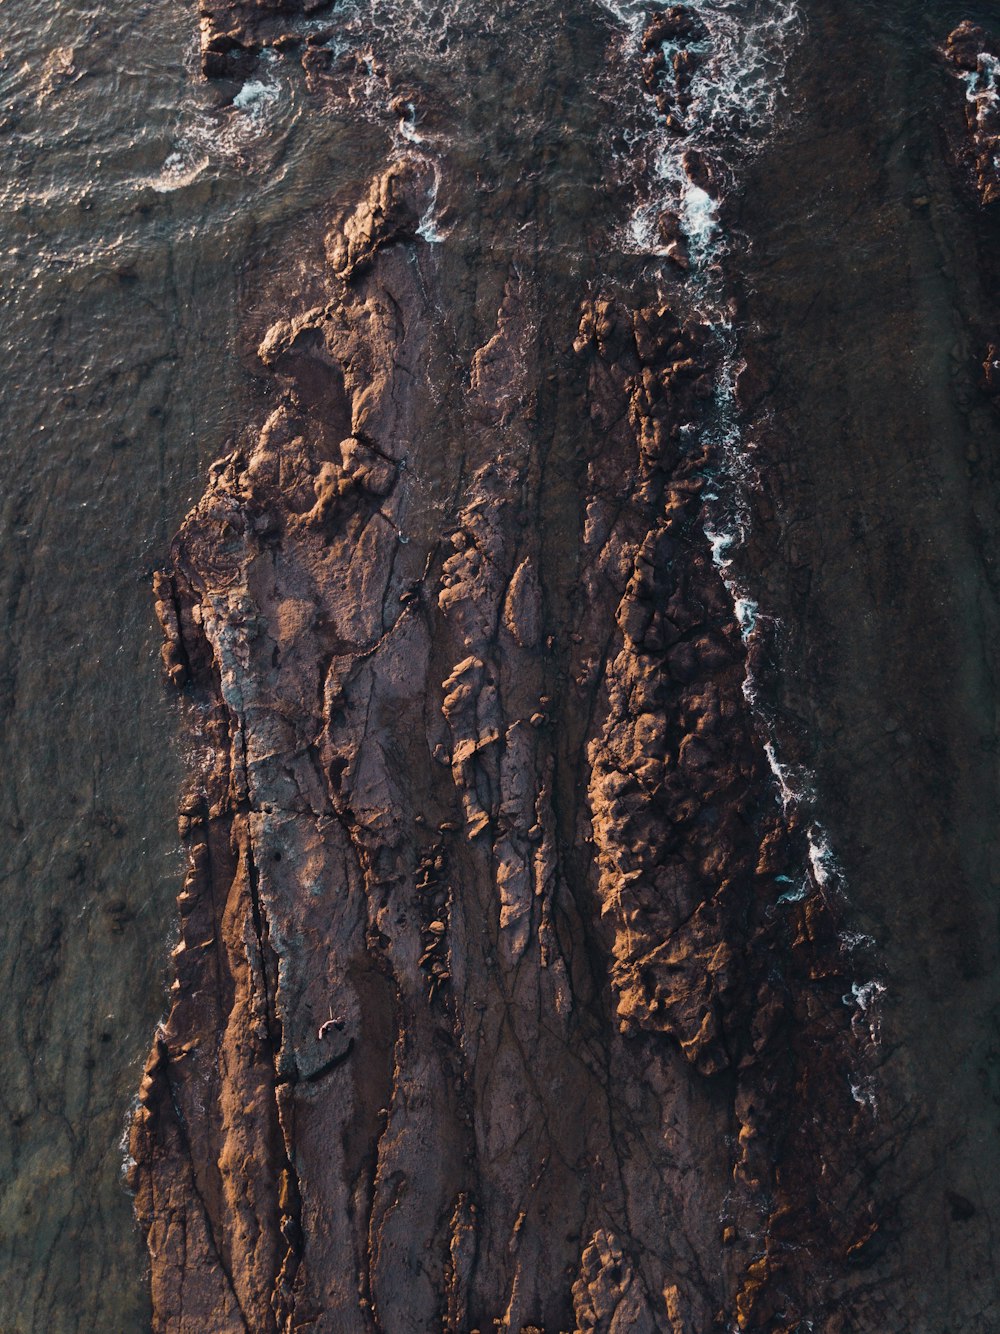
x,y
521,982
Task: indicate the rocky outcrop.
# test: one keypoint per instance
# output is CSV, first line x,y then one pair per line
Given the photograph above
x,y
694,848
507,990
972,54
389,1053
395,204
234,32
672,51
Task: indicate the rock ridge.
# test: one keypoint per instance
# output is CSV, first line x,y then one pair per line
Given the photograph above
x,y
507,995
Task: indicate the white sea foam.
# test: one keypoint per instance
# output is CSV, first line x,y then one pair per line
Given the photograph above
x,y
631,16
182,167
734,93
427,26
981,83
821,857
720,544
747,612
791,793
226,135
982,88
255,96
428,228
699,215
127,1162
797,893
863,1093
406,126
865,994
865,998
252,109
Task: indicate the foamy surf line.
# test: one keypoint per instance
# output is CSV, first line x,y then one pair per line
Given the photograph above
x,y
225,135
734,60
739,55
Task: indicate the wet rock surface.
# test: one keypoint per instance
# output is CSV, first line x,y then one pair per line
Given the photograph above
x,y
878,504
392,999
972,54
511,988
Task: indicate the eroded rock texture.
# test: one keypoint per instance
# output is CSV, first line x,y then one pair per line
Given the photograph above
x,y
972,54
478,1002
507,993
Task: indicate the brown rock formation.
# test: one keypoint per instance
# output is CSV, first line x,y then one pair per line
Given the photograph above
x,y
972,53
233,32
493,1004
668,78
390,1092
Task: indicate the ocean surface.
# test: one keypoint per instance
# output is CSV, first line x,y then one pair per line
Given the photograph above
x,y
141,213
129,210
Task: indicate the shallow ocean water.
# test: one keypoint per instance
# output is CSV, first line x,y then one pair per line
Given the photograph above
x,y
129,206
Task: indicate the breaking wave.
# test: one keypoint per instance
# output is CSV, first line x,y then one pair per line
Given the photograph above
x,y
228,133
738,57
